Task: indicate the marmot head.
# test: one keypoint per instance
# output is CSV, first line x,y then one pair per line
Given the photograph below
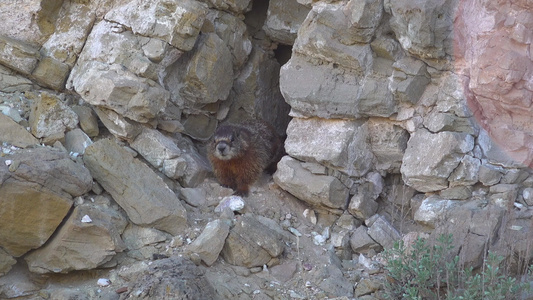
x,y
229,142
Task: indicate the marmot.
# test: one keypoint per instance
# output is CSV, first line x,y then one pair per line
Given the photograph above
x,y
239,153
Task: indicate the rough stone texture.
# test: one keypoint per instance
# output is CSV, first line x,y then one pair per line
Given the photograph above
x,y
473,228
11,82
170,278
381,231
51,73
235,6
88,121
433,210
317,190
363,204
119,126
181,162
348,149
177,23
155,147
467,173
210,242
76,141
114,88
18,56
50,117
428,170
388,143
409,80
6,261
80,245
496,66
135,187
423,28
331,91
232,31
361,242
284,18
329,34
36,193
209,73
14,134
251,244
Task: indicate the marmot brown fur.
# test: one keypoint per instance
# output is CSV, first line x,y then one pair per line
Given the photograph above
x,y
239,153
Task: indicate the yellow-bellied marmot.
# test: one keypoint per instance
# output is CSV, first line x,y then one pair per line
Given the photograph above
x,y
239,153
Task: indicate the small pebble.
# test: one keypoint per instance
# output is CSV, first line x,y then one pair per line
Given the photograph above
x,y
86,219
103,282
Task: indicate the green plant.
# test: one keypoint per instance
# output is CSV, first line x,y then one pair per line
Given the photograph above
x,y
432,272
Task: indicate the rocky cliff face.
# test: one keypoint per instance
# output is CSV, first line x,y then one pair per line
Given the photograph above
x,y
400,116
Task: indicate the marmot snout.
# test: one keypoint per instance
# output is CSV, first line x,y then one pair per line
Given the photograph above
x,y
240,153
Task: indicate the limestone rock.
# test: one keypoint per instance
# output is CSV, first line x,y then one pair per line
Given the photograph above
x,y
235,6
6,261
169,278
409,80
474,229
76,141
177,23
14,134
119,126
467,173
88,121
433,210
136,237
50,168
51,73
18,56
112,87
318,190
333,91
33,23
36,193
234,33
210,242
361,242
50,117
503,195
10,81
422,28
381,231
73,23
490,174
329,34
80,245
155,147
284,18
428,170
208,75
348,150
251,244
135,187
388,143
363,204
178,162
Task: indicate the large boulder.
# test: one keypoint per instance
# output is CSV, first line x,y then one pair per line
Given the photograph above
x,y
144,196
177,23
89,238
251,244
347,150
430,158
36,192
318,190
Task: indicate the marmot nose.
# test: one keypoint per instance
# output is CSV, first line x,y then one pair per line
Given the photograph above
x,y
221,147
